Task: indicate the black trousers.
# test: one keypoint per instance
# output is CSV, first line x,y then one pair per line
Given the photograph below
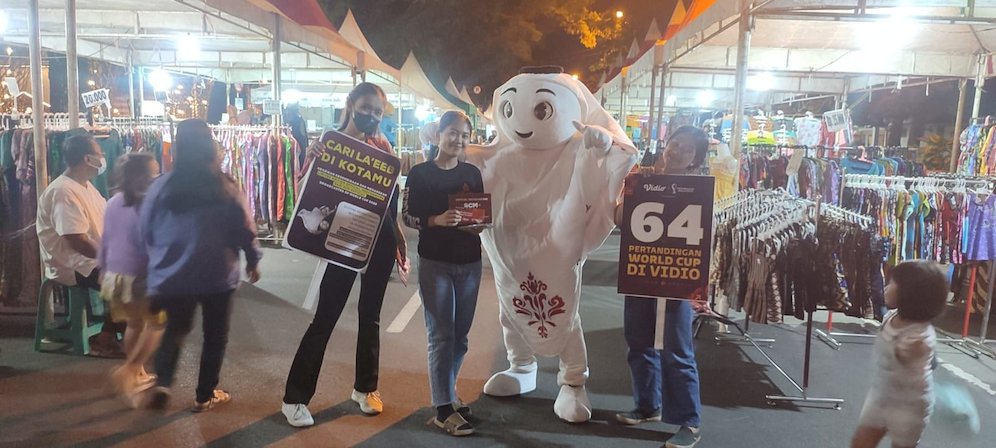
x,y
333,294
216,311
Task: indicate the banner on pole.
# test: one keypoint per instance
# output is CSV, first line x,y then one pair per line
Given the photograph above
x,y
666,237
345,198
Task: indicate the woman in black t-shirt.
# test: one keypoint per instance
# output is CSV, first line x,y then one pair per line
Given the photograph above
x,y
449,264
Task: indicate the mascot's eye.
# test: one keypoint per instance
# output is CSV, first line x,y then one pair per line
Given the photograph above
x,y
506,109
543,110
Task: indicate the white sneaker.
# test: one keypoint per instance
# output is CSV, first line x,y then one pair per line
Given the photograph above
x,y
298,415
370,403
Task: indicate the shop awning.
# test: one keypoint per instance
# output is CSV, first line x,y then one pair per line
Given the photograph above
x,y
816,47
413,78
350,30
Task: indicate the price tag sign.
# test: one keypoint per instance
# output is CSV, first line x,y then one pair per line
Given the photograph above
x,y
12,87
271,107
95,97
666,236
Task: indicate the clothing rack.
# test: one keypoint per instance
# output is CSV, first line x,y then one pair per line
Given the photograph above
x,y
258,163
956,183
775,211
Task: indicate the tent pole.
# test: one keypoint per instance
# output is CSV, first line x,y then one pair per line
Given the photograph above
x,y
72,66
622,98
660,105
980,82
653,92
658,58
275,118
743,59
37,96
959,124
131,86
401,114
277,67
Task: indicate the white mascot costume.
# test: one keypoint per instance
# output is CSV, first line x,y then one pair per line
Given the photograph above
x,y
554,172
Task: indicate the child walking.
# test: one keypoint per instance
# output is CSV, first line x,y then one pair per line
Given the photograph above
x,y
901,398
123,262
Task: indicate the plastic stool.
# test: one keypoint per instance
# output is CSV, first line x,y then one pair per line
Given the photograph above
x,y
80,329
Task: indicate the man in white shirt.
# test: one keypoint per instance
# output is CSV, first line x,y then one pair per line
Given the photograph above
x,y
70,223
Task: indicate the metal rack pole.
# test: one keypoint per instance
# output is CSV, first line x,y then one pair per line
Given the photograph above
x,y
807,362
980,346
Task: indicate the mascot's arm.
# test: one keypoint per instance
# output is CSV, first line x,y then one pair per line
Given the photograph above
x,y
612,165
479,155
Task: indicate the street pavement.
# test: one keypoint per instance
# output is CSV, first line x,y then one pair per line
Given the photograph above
x,y
54,399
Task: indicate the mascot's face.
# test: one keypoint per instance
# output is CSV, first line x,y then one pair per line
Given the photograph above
x,y
537,111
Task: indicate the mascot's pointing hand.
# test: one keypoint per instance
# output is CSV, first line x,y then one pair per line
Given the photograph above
x,y
595,137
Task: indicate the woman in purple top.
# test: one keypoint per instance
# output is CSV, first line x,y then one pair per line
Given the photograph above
x,y
194,223
123,263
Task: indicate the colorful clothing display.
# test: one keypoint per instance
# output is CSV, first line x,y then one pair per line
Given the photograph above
x,y
796,268
265,167
934,223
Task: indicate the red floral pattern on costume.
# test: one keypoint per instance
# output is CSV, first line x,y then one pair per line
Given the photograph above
x,y
535,304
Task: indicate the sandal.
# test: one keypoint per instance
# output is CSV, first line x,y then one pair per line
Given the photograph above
x,y
455,425
463,409
220,397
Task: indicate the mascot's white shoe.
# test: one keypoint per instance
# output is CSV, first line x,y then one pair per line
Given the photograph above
x,y
572,404
512,382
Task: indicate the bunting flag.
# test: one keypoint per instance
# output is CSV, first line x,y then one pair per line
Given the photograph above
x,y
305,13
677,20
654,33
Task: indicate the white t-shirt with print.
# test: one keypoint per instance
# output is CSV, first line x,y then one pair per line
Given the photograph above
x,y
68,207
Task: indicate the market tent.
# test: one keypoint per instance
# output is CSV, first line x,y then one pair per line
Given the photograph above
x,y
464,96
229,40
816,47
635,65
413,78
226,40
451,88
369,60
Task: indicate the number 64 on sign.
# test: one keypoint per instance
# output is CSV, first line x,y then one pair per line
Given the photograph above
x,y
666,236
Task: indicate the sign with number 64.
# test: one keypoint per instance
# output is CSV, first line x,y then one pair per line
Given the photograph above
x,y
666,236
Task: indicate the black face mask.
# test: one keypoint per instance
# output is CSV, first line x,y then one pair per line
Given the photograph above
x,y
366,123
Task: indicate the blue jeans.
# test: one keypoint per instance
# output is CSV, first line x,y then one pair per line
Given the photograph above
x,y
668,379
449,295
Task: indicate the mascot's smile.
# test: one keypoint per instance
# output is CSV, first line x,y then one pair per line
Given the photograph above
x,y
526,135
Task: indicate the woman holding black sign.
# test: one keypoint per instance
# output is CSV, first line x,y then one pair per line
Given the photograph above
x,y
449,264
666,382
361,120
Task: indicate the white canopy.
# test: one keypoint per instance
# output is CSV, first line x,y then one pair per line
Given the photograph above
x,y
815,47
350,30
226,40
413,78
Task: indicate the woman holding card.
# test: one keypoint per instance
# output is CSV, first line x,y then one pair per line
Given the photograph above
x,y
361,119
449,264
666,382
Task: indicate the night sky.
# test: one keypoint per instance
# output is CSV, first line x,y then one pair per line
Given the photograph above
x,y
562,49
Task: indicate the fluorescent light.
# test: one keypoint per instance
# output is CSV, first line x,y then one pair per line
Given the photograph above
x,y
160,80
422,112
705,98
761,82
291,96
188,45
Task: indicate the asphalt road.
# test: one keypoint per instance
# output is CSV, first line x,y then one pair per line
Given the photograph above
x,y
58,400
